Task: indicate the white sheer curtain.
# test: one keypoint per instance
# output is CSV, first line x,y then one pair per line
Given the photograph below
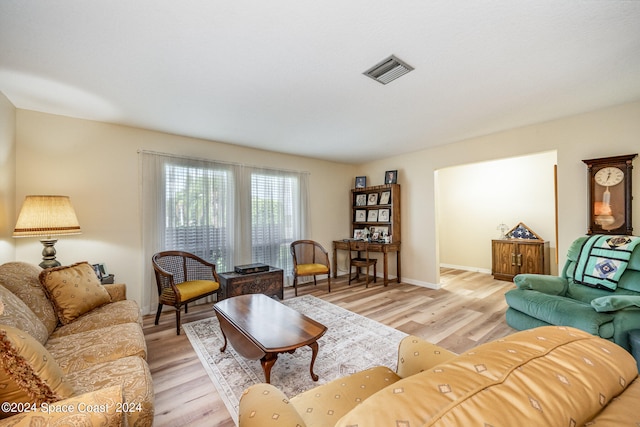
x,y
226,213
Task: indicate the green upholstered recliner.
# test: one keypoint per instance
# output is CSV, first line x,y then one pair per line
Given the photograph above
x,y
540,300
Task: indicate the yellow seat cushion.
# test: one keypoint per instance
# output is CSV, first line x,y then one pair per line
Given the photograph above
x,y
195,288
309,269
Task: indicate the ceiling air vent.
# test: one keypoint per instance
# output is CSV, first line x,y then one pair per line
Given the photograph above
x,y
388,70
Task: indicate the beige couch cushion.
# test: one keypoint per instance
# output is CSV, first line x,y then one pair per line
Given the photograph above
x,y
115,313
74,290
105,410
79,351
22,279
28,373
132,373
14,312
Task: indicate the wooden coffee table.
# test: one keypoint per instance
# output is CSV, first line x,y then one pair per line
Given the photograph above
x,y
259,327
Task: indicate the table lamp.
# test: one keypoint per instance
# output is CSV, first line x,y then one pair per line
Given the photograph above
x,y
47,216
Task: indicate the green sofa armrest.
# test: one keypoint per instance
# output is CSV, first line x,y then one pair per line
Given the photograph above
x,y
615,303
99,407
416,355
552,285
263,405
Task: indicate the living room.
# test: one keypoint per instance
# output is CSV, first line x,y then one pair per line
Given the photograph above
x,y
97,164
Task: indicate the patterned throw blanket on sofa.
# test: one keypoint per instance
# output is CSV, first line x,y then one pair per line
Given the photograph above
x,y
603,259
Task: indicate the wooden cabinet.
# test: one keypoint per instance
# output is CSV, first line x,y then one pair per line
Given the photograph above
x,y
267,282
376,208
510,257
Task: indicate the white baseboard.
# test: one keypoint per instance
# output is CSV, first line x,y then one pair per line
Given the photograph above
x,y
465,268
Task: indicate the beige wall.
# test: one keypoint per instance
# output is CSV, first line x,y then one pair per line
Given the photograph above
x,y
96,164
7,178
472,200
603,133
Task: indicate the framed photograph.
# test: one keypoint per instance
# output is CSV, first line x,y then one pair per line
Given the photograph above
x,y
385,197
383,215
375,235
383,231
391,177
361,199
372,200
373,216
361,181
101,270
361,215
98,270
358,234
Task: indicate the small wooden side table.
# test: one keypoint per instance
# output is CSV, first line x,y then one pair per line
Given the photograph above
x,y
269,283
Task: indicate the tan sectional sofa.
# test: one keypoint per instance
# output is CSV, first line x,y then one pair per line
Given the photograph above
x,y
72,351
548,376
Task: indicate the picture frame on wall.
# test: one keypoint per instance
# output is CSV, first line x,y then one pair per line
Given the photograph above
x,y
361,200
361,181
391,177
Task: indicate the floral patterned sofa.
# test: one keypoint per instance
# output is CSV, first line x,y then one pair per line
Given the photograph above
x,y
72,351
547,376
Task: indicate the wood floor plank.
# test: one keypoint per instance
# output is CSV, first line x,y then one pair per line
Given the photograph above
x,y
467,311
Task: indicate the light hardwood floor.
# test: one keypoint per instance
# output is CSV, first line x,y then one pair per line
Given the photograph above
x,y
468,310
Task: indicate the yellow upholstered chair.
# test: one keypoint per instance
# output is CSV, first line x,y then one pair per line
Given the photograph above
x,y
361,260
309,259
182,278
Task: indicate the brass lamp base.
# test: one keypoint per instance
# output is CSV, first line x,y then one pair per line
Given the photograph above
x,y
49,253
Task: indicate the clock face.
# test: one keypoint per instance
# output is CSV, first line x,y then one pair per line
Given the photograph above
x,y
609,176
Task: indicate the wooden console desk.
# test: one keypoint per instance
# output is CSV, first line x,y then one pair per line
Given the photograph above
x,y
385,248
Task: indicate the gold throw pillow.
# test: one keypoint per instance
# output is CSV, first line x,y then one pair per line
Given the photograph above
x,y
74,290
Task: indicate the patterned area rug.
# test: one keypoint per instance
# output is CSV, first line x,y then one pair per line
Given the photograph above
x,y
352,343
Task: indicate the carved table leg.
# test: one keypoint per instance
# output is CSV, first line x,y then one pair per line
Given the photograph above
x,y
267,363
314,353
224,347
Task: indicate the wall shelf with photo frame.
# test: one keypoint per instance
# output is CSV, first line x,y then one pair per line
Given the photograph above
x,y
377,209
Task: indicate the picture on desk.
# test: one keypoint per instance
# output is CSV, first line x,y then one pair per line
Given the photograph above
x,y
361,200
382,231
373,216
361,215
383,215
373,199
358,234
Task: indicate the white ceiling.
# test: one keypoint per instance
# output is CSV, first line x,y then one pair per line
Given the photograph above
x,y
286,75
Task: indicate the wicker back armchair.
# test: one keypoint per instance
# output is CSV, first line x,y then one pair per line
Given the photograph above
x,y
182,278
309,259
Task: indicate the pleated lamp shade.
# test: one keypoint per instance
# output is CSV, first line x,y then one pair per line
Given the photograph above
x,y
46,216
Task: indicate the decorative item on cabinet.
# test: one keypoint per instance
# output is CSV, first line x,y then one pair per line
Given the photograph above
x,y
521,251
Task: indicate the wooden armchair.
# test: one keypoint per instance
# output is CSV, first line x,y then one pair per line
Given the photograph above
x,y
182,278
309,259
361,261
